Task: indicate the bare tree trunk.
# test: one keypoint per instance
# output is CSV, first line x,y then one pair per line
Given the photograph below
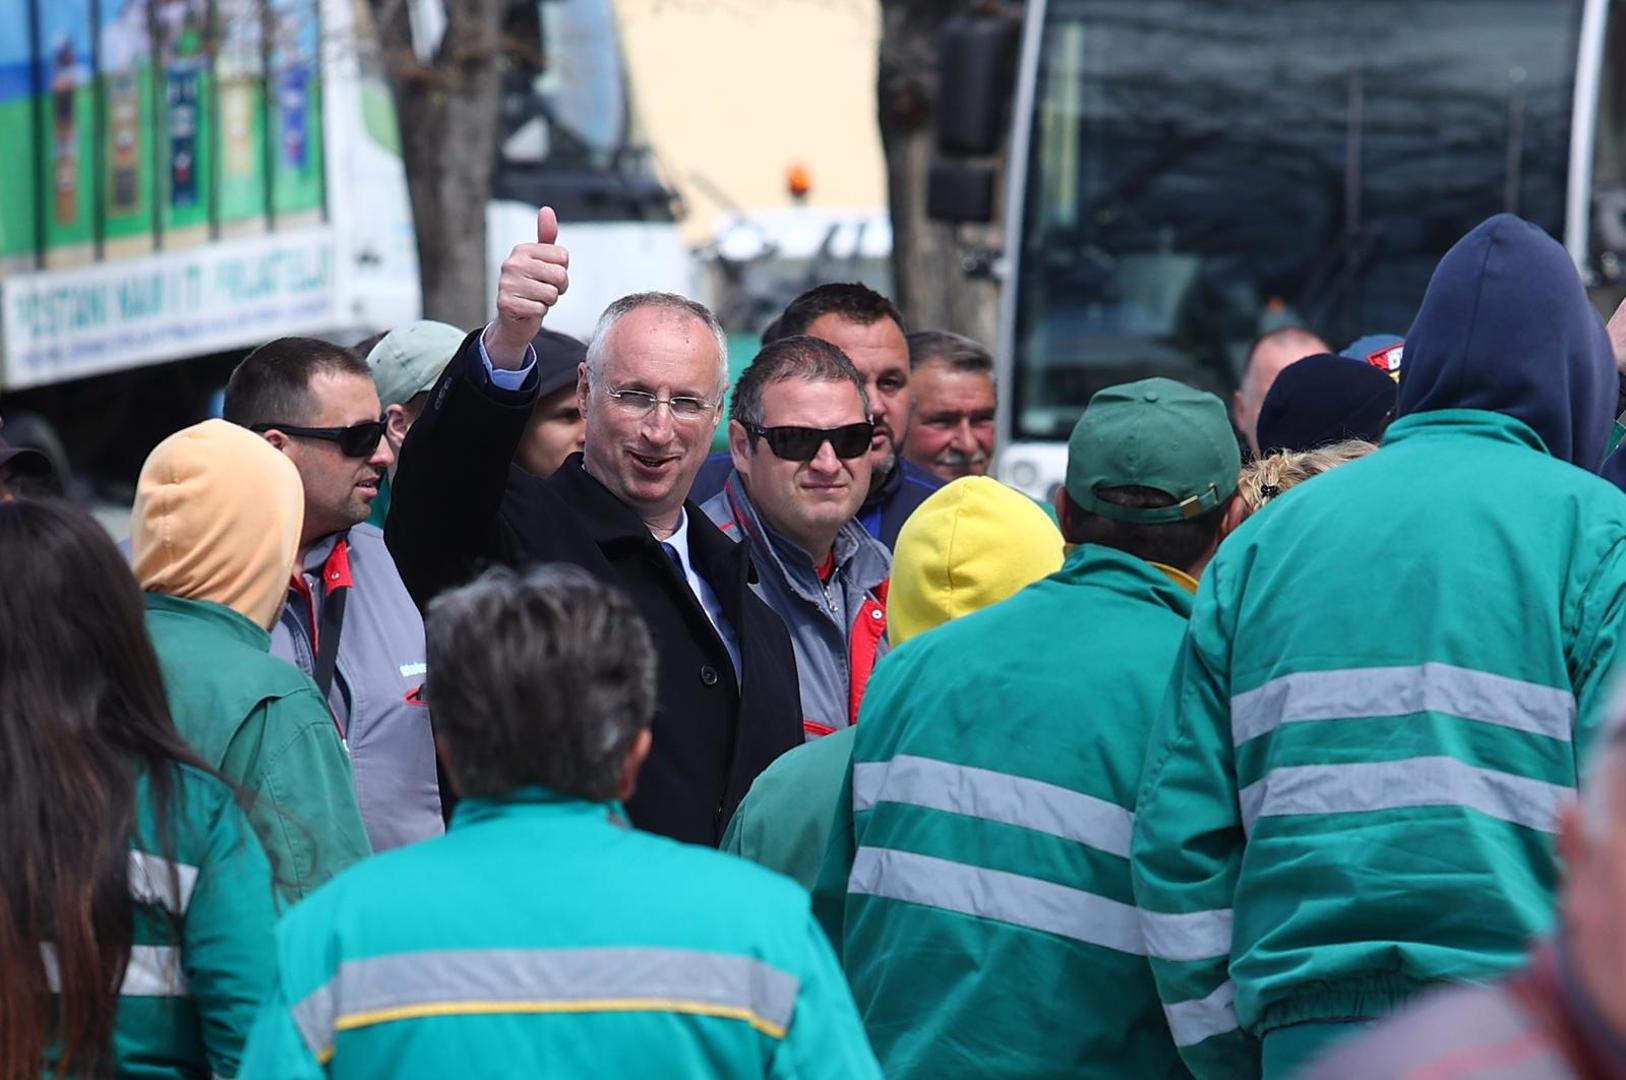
x,y
927,256
447,108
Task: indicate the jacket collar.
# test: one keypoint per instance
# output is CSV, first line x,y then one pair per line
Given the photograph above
x,y
609,522
1178,576
1474,423
607,519
860,560
1121,572
218,617
535,800
886,489
329,561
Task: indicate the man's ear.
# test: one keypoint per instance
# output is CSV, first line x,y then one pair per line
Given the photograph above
x,y
1236,512
1060,501
632,763
581,387
396,425
739,447
276,439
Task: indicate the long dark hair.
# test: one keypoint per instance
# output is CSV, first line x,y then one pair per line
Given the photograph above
x,y
82,717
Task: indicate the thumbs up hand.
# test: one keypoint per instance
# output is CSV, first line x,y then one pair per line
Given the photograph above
x,y
533,278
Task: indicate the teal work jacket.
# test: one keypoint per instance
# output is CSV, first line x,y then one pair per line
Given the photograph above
x,y
1379,712
542,937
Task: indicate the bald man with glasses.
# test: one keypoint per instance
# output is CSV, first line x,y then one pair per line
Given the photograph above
x,y
650,392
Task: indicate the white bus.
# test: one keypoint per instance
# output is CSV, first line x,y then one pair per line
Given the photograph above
x,y
1185,173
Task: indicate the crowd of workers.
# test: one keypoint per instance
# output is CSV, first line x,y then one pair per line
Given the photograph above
x,y
396,740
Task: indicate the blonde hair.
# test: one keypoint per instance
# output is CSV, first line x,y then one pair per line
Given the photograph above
x,y
1265,478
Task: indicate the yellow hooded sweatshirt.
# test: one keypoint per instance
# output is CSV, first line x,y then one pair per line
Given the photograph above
x,y
217,516
974,542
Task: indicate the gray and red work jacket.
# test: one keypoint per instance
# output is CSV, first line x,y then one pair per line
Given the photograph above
x,y
375,682
836,619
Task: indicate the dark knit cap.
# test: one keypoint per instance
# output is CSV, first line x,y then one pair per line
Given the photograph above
x,y
1323,399
557,357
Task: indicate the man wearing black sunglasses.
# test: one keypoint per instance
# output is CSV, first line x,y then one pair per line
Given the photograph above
x,y
869,329
349,622
800,435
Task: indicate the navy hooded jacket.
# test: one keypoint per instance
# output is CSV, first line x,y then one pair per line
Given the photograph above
x,y
1506,326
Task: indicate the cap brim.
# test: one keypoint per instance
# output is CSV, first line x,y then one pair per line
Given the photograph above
x,y
32,470
551,382
23,459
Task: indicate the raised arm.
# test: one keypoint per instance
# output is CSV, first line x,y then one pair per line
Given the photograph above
x,y
454,466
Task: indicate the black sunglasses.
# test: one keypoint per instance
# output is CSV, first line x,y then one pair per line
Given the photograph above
x,y
803,443
357,440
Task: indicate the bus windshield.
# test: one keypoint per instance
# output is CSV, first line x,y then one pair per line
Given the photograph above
x,y
1203,170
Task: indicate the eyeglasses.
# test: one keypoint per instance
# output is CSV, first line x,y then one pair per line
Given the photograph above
x,y
641,403
357,440
804,443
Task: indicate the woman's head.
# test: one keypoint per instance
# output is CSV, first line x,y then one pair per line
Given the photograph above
x,y
1266,477
71,624
82,713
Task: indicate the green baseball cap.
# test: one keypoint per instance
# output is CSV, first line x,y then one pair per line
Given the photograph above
x,y
1155,433
410,358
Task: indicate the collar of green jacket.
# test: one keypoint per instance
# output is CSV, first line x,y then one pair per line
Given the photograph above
x,y
1123,573
224,619
1473,423
534,799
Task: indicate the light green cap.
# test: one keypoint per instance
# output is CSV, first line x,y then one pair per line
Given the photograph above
x,y
410,358
1155,433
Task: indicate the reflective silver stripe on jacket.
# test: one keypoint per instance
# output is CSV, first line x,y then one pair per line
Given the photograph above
x,y
1191,1022
1399,691
1409,782
153,971
1194,935
994,796
450,982
997,894
155,880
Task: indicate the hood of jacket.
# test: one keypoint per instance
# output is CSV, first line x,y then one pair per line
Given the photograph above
x,y
972,543
217,516
1506,326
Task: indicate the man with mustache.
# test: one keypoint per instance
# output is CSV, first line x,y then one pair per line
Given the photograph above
x,y
800,435
869,328
348,622
651,394
951,431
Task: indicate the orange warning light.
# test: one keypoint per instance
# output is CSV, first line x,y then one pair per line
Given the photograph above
x,y
798,180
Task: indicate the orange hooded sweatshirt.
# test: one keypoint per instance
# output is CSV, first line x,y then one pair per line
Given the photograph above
x,y
217,517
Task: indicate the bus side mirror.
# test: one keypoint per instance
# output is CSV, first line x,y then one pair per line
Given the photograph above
x,y
976,65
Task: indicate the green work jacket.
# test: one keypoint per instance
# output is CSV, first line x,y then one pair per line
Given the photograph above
x,y
783,822
1391,676
978,871
201,948
264,725
543,937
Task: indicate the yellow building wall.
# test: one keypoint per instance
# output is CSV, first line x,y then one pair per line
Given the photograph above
x,y
733,93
